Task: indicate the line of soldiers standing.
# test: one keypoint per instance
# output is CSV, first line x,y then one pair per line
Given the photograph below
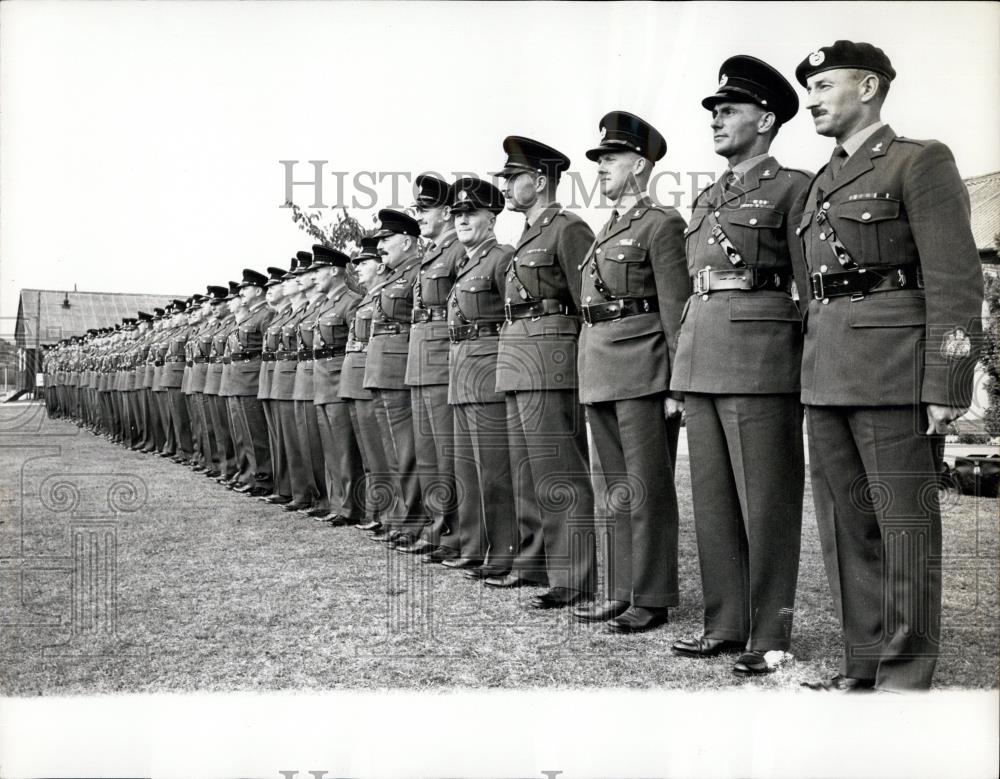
x,y
437,398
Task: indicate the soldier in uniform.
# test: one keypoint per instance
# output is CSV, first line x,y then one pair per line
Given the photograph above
x,y
198,348
174,362
140,351
385,369
159,351
155,437
487,525
361,402
218,404
131,387
635,284
536,367
427,369
345,473
280,303
737,364
894,286
243,350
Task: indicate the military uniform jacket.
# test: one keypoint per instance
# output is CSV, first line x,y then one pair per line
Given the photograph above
x,y
735,341
213,376
352,371
243,348
427,361
149,368
541,353
303,388
159,350
272,343
895,201
175,358
199,353
387,353
477,298
283,377
330,331
640,255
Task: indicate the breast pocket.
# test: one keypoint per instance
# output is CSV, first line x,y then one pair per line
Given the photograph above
x,y
397,302
693,241
539,273
627,272
867,227
435,286
756,233
478,300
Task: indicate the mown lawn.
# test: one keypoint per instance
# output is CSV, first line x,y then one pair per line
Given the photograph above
x,y
213,591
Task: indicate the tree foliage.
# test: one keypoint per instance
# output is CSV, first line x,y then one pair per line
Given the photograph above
x,y
990,354
344,232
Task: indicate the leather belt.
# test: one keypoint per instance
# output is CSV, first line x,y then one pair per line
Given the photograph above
x,y
157,363
189,363
357,346
227,360
200,360
744,279
618,309
286,356
389,328
245,356
267,357
473,330
429,314
329,351
534,309
859,282
215,360
305,355
173,358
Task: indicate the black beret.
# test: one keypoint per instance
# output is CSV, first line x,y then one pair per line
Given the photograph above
x,y
745,79
432,192
253,278
216,293
367,250
525,154
622,131
471,194
845,54
324,255
392,222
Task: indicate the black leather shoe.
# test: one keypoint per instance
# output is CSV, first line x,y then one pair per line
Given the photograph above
x,y
256,492
316,512
460,563
339,520
295,506
373,524
198,468
841,683
600,612
419,546
212,474
484,572
638,619
511,580
556,598
439,555
399,539
751,664
276,500
243,488
706,647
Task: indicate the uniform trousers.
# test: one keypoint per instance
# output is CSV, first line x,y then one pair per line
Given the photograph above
x,y
299,474
311,451
250,439
637,448
487,525
874,481
344,469
553,494
433,443
218,409
180,421
154,433
169,439
279,464
747,479
206,436
380,491
134,400
396,426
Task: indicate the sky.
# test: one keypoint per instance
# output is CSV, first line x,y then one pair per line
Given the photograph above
x,y
141,143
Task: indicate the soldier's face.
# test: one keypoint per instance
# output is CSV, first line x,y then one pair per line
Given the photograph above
x,y
367,270
306,281
834,100
274,294
615,172
289,287
474,227
520,191
735,127
432,221
394,247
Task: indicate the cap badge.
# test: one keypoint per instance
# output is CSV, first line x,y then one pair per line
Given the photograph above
x,y
817,57
604,132
723,80
463,195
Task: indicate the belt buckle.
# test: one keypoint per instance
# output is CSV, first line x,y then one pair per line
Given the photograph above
x,y
818,290
703,281
507,313
585,312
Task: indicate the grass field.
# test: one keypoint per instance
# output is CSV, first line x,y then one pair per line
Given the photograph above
x,y
124,572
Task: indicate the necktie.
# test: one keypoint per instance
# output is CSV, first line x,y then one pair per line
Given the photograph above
x,y
837,160
728,180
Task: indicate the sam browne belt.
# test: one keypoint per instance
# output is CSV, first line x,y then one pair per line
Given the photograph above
x,y
534,309
473,330
619,308
859,282
744,279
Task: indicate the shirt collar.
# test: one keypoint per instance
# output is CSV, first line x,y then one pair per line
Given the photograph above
x,y
740,169
857,140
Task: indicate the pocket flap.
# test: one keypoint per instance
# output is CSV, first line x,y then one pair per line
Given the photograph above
x,y
535,258
396,292
869,210
889,309
759,308
756,217
477,285
695,223
625,254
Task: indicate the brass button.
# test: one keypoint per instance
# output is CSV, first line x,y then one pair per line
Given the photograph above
x,y
598,251
588,299
753,221
621,256
822,269
826,204
716,213
704,297
866,215
711,240
822,236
